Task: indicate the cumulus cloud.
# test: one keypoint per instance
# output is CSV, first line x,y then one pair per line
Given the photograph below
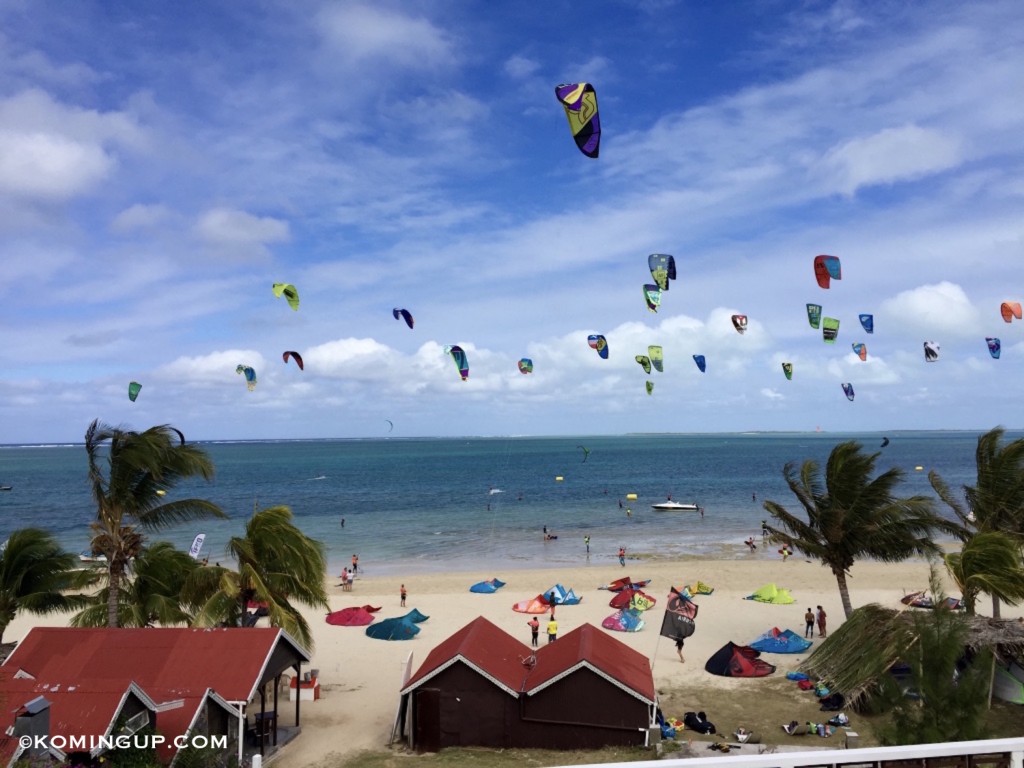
x,y
229,227
370,33
936,309
138,217
520,67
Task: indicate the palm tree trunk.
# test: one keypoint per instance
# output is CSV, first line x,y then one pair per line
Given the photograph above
x,y
844,592
995,607
114,593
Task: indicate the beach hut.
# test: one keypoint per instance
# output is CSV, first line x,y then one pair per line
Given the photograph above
x,y
482,687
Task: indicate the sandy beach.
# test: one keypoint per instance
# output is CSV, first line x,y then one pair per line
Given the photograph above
x,y
361,676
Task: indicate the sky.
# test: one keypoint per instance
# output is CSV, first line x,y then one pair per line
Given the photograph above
x,y
162,165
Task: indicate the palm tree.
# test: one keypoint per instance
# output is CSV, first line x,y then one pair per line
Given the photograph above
x,y
996,501
989,562
35,576
140,468
851,516
278,566
150,593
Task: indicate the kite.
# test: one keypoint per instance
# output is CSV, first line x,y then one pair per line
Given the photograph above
x,y
250,376
600,343
289,291
678,622
867,322
652,295
885,442
860,350
580,103
133,390
848,390
294,356
526,365
663,269
701,362
586,453
994,347
787,368
1010,310
827,268
461,362
650,387
645,362
657,358
391,425
739,322
404,314
814,315
931,351
829,329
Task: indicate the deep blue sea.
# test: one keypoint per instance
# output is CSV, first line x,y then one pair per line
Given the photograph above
x,y
467,504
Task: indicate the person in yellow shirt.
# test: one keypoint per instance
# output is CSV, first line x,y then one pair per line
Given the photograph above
x,y
552,631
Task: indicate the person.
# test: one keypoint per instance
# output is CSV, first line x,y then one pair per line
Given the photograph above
x,y
669,497
753,497
586,541
551,602
822,618
629,512
355,565
552,630
534,626
785,552
750,544
620,503
679,649
545,533
343,522
344,580
622,556
764,529
402,593
701,510
809,621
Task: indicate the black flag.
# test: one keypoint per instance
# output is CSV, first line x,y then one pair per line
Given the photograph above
x,y
680,612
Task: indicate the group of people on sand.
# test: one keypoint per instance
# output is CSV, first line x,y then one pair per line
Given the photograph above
x,y
809,620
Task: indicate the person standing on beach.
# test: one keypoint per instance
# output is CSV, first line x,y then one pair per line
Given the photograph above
x,y
586,541
402,594
809,621
822,618
355,565
679,649
534,626
552,631
622,556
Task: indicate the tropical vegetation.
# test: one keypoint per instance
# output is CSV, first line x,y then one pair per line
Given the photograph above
x,y
131,474
852,514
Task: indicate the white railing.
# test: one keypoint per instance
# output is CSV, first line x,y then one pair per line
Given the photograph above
x,y
920,754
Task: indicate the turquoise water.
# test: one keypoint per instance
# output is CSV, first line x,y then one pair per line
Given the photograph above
x,y
422,505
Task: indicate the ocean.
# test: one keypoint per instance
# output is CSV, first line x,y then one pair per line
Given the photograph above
x,y
480,504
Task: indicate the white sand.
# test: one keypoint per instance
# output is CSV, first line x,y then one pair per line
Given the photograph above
x,y
361,677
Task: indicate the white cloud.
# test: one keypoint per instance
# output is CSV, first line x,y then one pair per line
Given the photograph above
x,y
520,67
937,310
231,227
139,217
361,33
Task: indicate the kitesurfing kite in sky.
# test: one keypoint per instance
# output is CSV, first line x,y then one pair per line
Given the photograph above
x,y
787,368
461,361
657,356
994,347
701,362
826,269
829,329
391,425
133,390
739,322
860,350
250,376
526,365
652,295
404,314
663,269
814,315
848,390
1010,310
294,356
289,291
645,362
580,103
650,387
931,351
586,453
600,343
867,322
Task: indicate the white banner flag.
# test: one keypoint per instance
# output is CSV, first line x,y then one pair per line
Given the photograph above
x,y
197,544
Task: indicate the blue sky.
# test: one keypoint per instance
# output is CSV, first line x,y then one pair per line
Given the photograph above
x,y
162,164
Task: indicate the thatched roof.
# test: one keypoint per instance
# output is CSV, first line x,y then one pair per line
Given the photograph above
x,y
864,647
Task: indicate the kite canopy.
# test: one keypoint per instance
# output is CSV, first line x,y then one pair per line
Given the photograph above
x,y
652,295
1010,310
352,617
826,269
733,660
931,351
401,628
631,597
776,640
787,368
133,390
559,595
994,347
625,582
867,322
848,391
487,587
626,620
580,103
860,350
663,269
645,362
770,593
461,361
294,356
814,315
657,356
650,386
586,453
538,604
289,291
250,376
526,365
600,343
739,322
404,314
678,622
829,329
701,362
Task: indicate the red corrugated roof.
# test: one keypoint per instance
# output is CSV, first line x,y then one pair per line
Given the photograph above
x,y
588,645
491,650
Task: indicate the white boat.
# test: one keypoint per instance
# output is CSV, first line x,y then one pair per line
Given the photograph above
x,y
675,506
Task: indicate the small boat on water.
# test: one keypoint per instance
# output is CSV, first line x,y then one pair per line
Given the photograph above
x,y
675,506
5,487
86,557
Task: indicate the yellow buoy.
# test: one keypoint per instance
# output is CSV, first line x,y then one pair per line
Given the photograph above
x,y
630,497
161,492
918,467
559,479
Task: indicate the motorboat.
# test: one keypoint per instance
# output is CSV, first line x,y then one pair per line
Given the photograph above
x,y
675,506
